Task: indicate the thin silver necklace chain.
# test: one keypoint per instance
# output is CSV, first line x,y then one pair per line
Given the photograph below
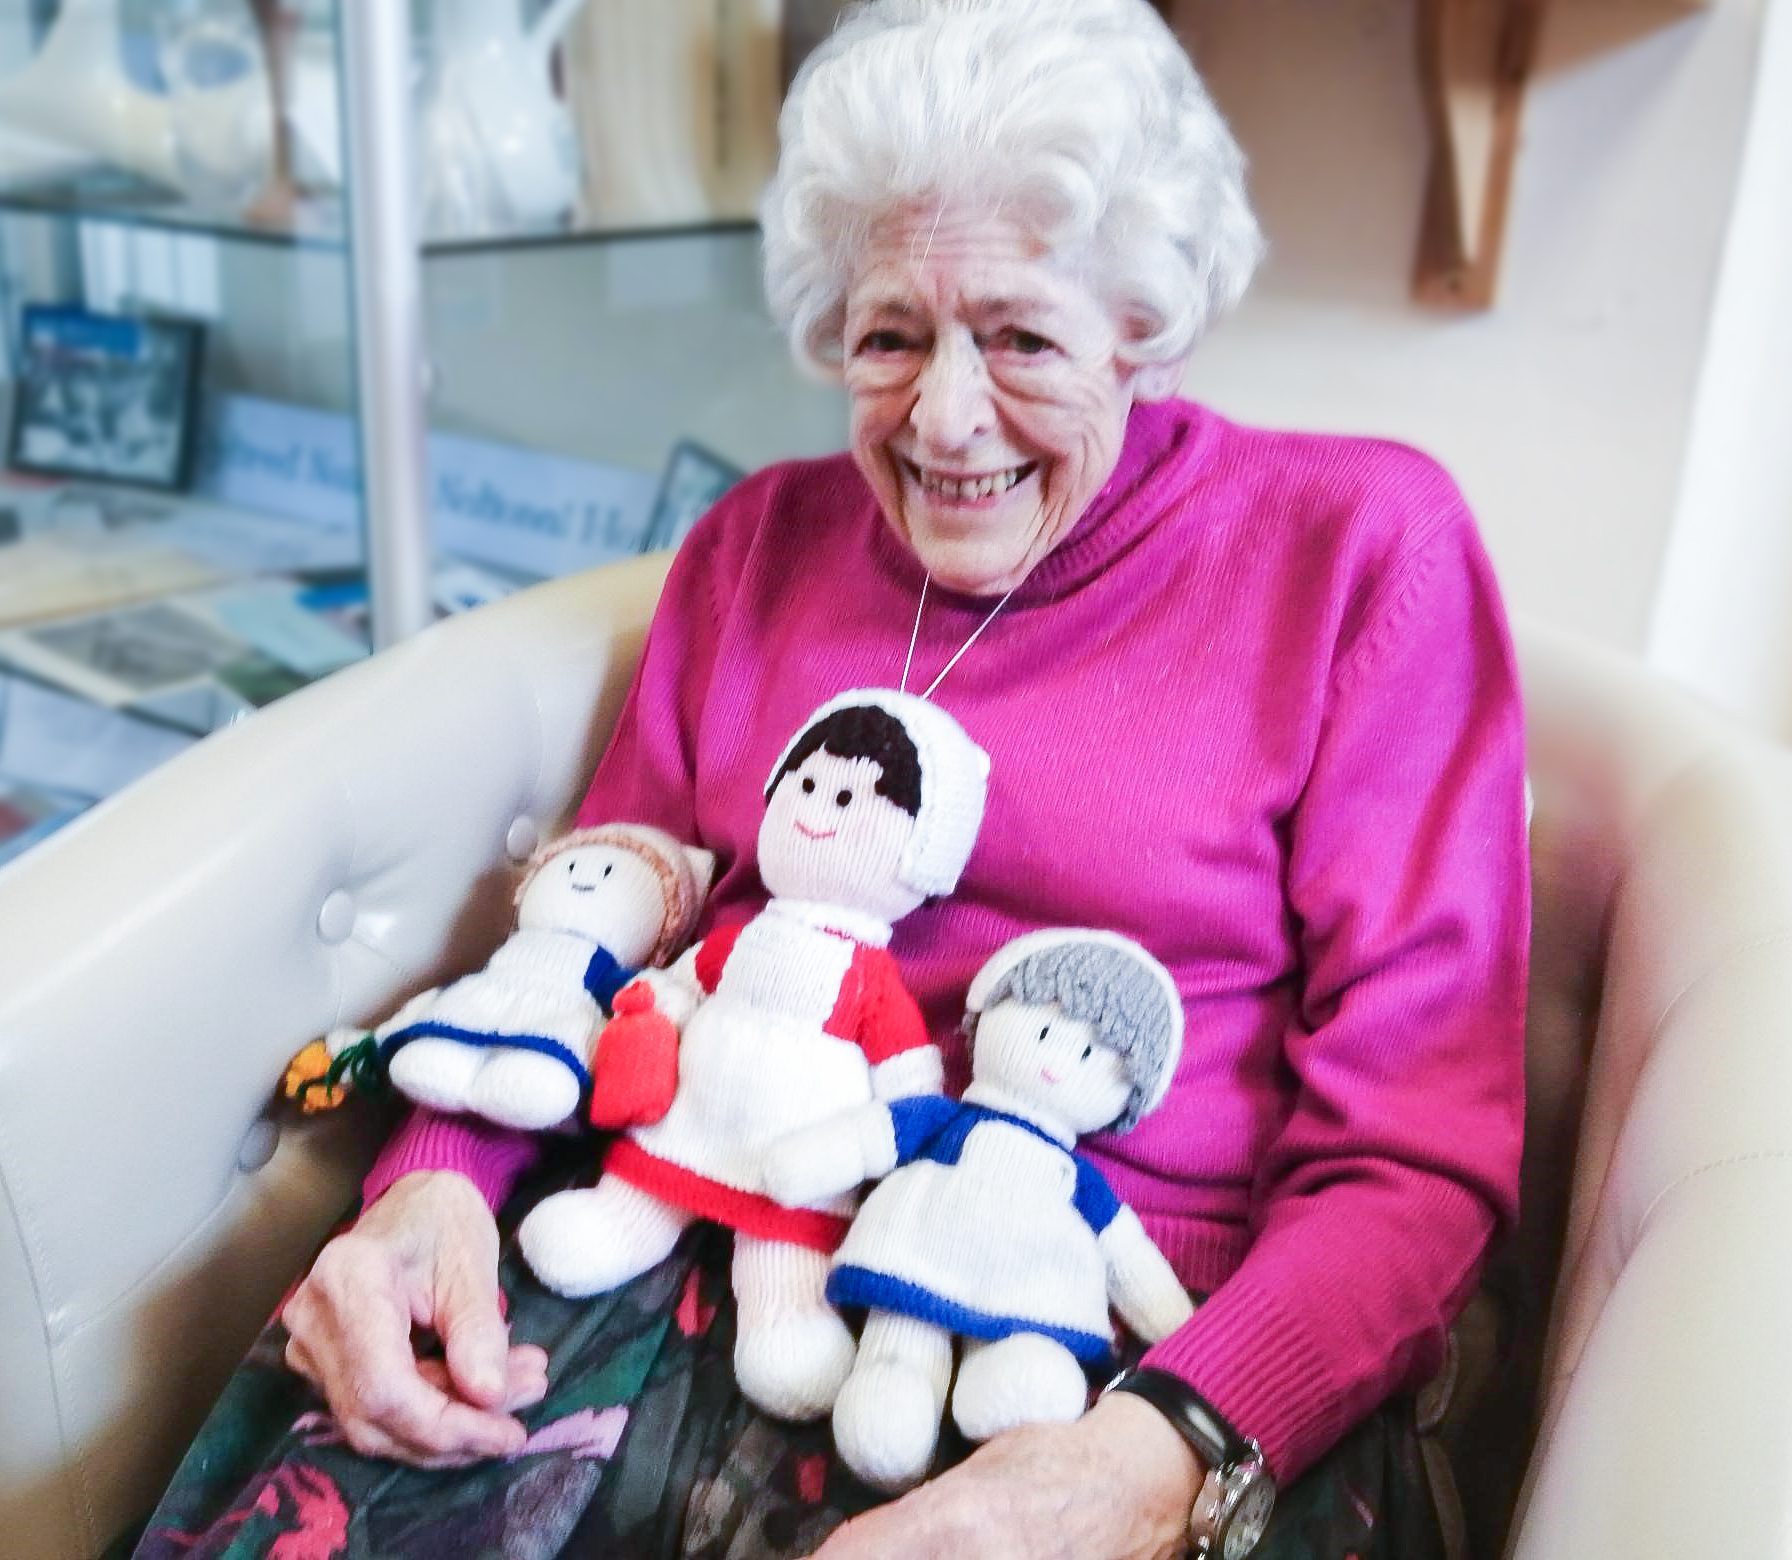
x,y
915,634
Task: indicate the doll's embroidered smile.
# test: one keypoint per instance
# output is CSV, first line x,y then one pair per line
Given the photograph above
x,y
814,834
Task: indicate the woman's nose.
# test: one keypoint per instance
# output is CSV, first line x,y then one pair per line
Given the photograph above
x,y
953,406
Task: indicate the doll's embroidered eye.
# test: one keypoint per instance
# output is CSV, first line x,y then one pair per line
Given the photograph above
x,y
843,798
1045,1031
609,869
1088,1051
808,785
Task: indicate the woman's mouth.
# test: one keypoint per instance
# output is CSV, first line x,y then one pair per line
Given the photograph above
x,y
967,488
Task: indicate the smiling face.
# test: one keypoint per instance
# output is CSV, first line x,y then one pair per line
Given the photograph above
x,y
1050,1064
989,400
828,835
601,892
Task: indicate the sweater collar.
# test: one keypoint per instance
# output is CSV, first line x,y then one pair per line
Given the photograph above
x,y
1164,449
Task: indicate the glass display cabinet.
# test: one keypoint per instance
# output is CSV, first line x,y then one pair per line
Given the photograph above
x,y
323,320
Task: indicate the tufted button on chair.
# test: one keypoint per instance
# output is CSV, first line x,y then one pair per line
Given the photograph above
x,y
163,957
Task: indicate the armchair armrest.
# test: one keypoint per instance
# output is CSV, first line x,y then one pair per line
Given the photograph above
x,y
1659,1117
163,957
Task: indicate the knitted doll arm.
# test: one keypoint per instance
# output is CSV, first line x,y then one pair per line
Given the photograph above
x,y
831,1157
408,1014
1142,1285
910,1073
865,1144
676,991
904,1061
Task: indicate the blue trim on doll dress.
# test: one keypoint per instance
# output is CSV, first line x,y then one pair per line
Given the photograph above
x,y
933,1127
854,1285
604,977
429,1029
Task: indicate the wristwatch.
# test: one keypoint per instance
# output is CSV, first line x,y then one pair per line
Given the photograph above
x,y
1238,1493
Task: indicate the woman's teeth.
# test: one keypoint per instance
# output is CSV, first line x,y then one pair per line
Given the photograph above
x,y
968,487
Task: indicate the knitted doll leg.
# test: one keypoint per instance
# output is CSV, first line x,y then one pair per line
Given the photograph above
x,y
792,1351
1025,1379
887,1417
523,1089
436,1073
591,1240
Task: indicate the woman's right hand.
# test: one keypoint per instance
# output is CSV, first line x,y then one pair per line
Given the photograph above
x,y
425,1254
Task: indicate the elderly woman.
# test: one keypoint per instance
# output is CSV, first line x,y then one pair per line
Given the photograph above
x,y
1249,700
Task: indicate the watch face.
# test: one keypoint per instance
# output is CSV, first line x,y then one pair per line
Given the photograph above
x,y
1249,1518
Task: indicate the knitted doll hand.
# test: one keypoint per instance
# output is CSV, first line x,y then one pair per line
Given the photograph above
x,y
1143,1286
808,1167
634,1073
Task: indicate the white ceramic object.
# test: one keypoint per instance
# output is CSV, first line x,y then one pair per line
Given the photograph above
x,y
210,136
496,144
26,158
74,92
220,101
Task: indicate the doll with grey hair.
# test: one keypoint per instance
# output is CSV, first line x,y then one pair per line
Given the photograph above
x,y
986,1224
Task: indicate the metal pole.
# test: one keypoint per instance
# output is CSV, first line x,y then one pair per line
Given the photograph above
x,y
386,266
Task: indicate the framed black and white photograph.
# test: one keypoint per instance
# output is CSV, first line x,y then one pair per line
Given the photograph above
x,y
106,397
694,479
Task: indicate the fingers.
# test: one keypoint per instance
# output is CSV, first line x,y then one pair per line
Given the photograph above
x,y
474,1338
350,1322
526,1381
527,1377
919,1526
406,1412
879,1535
1004,1503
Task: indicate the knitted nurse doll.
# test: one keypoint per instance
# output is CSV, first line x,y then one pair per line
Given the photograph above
x,y
512,1041
988,1224
782,1022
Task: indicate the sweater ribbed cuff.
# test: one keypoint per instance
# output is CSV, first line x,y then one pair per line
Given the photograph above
x,y
1247,1355
1303,1341
493,1158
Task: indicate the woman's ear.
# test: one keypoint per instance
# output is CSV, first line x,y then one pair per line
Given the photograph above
x,y
1159,381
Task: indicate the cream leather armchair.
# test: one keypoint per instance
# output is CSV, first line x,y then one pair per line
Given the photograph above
x,y
161,959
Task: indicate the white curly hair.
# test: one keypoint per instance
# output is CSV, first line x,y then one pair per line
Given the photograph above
x,y
1083,118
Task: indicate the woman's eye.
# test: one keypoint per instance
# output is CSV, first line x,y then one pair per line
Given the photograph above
x,y
883,341
808,786
1031,343
842,798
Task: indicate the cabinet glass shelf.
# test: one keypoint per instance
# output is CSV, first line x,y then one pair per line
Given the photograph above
x,y
111,196
313,222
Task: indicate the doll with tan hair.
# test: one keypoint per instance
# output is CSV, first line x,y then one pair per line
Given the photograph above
x,y
513,1042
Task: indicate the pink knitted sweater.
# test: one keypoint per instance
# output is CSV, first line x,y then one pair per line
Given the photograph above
x,y
1258,710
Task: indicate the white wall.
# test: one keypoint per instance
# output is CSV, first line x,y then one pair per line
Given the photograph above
x,y
1723,619
1563,411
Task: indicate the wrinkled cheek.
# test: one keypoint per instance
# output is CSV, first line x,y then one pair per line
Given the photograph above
x,y
872,427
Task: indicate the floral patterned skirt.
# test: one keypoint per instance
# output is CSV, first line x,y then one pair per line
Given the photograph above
x,y
643,1449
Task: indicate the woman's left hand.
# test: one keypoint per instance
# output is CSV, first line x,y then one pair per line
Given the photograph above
x,y
1119,1484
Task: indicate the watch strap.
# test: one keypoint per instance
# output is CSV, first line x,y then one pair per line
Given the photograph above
x,y
1197,1421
